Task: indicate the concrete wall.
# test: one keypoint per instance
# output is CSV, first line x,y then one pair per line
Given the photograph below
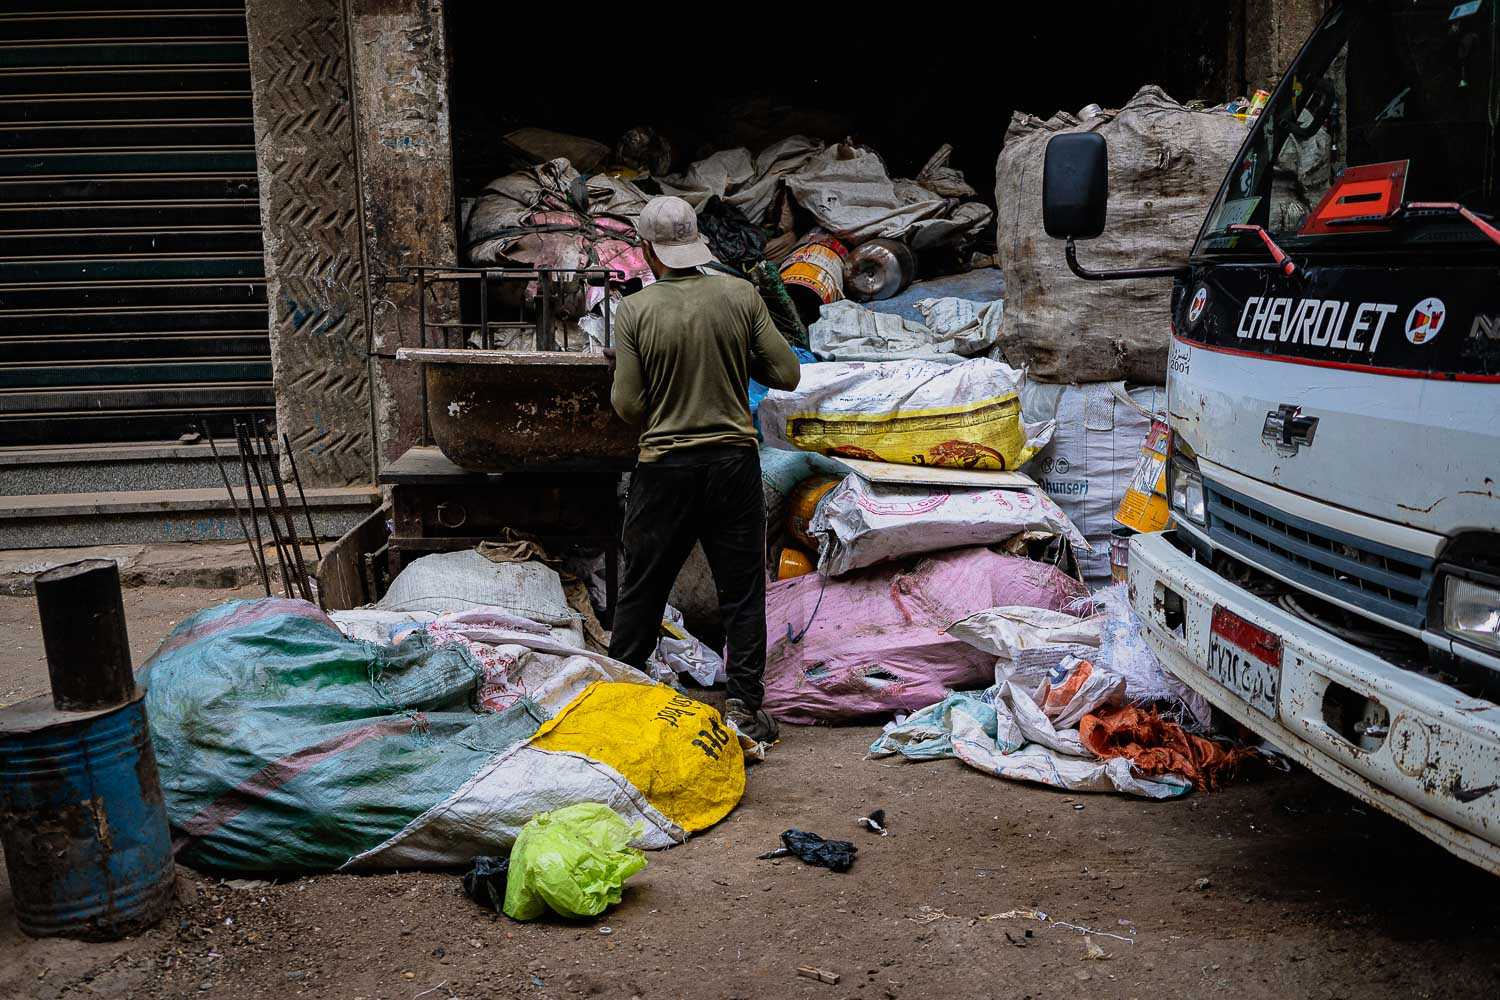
x,y
1264,37
400,66
351,128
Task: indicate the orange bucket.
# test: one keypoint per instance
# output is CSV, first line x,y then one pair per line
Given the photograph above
x,y
802,503
794,562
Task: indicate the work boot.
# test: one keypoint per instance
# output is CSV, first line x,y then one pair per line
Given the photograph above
x,y
757,725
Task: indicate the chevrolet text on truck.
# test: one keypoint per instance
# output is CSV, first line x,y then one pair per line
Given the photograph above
x,y
1332,578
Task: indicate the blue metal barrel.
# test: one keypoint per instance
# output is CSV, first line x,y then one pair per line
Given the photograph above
x,y
82,820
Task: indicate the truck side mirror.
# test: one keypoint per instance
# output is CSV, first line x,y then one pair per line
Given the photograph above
x,y
1075,185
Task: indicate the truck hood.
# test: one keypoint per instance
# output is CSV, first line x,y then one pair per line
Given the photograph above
x,y
1399,369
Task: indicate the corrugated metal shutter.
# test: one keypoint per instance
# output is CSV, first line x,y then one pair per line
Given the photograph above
x,y
132,288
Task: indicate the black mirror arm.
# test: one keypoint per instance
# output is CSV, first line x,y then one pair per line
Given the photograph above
x,y
1071,252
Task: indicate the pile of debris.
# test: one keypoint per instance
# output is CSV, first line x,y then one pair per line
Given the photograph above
x,y
810,223
430,728
949,559
942,497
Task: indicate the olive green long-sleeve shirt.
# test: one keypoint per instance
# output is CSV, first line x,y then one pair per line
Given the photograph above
x,y
685,349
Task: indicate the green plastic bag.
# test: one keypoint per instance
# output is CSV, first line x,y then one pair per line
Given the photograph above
x,y
574,860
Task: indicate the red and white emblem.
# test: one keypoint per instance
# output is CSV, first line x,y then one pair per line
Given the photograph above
x,y
1199,302
1425,320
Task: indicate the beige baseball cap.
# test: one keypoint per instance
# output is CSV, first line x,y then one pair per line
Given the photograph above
x,y
671,227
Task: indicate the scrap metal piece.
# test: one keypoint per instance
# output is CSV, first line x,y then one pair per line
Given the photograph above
x,y
255,553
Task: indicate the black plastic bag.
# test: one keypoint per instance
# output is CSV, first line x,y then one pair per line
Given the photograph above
x,y
485,882
732,237
814,850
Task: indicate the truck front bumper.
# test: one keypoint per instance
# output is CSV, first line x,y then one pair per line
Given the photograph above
x,y
1437,770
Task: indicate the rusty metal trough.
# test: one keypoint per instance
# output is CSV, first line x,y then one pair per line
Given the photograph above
x,y
496,411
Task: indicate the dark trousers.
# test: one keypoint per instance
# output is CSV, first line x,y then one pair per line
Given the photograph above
x,y
709,495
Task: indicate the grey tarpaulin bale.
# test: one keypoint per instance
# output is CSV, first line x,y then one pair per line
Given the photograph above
x,y
1165,166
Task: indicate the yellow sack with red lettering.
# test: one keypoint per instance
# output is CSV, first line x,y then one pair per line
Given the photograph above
x,y
680,753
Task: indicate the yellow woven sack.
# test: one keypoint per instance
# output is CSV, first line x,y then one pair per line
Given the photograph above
x,y
678,752
987,434
961,416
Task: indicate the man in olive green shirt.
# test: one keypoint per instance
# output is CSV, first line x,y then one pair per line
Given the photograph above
x,y
685,348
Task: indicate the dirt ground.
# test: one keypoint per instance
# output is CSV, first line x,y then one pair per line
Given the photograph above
x,y
1277,887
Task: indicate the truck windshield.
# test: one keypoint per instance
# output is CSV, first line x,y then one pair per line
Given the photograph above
x,y
1392,102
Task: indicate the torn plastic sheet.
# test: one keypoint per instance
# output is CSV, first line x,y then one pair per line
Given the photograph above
x,y
1014,732
872,642
1038,639
953,328
861,523
678,652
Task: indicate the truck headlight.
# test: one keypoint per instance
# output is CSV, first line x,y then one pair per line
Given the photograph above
x,y
1471,612
1185,487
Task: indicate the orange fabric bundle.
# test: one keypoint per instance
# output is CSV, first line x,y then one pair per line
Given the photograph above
x,y
1156,746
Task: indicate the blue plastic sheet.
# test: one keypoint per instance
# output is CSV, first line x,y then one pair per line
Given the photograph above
x,y
758,392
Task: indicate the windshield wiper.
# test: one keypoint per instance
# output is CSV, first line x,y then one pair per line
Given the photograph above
x,y
1410,211
1277,253
1452,206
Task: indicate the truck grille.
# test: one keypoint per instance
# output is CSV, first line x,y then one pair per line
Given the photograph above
x,y
1383,581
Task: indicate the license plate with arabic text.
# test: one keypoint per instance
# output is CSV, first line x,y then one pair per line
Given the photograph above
x,y
1246,659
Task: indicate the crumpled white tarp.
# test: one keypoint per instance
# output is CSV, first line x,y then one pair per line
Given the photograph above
x,y
1008,632
848,331
861,523
1025,728
849,192
845,187
1035,639
746,183
685,655
974,327
457,581
954,328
